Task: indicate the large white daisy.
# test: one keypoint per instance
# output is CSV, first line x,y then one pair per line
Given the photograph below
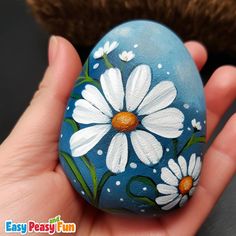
x,y
95,109
180,182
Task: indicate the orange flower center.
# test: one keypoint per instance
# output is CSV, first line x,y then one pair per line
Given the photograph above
x,y
185,184
125,121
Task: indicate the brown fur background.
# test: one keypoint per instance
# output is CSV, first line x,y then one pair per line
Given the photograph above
x,y
84,22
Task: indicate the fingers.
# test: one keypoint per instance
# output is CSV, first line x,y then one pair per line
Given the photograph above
x,y
198,53
220,92
42,119
218,169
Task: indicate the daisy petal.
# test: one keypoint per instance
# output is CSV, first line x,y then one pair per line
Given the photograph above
x,y
183,200
166,189
146,146
175,168
168,177
106,47
172,204
85,139
113,46
98,54
192,190
112,87
166,199
195,183
166,123
137,86
161,96
117,154
93,95
85,113
197,168
191,164
183,165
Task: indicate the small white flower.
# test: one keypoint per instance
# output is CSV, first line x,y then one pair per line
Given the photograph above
x,y
126,56
153,106
196,125
180,181
106,49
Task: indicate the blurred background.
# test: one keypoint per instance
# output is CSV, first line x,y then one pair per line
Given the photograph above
x,y
23,55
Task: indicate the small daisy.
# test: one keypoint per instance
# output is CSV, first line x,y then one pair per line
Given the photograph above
x,y
180,182
126,56
132,107
196,125
106,49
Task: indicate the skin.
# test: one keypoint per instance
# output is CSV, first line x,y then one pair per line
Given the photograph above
x,y
33,185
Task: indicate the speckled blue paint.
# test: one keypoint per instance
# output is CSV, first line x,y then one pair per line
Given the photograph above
x,y
156,45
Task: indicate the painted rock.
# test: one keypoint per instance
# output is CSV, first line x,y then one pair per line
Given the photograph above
x,y
134,127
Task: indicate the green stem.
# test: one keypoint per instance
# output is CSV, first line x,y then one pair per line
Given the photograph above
x,y
76,173
107,63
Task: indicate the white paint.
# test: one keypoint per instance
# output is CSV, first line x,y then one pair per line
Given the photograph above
x,y
167,149
121,199
99,152
159,66
154,171
108,190
144,188
82,192
61,135
167,72
186,106
135,45
117,183
133,165
67,108
142,210
95,66
189,128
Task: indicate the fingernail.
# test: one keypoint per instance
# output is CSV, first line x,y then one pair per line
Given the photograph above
x,y
52,49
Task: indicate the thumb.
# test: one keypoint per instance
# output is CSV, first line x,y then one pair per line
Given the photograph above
x,y
40,123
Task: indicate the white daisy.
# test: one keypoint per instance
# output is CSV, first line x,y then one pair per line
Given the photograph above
x,y
156,118
180,181
106,49
196,125
126,56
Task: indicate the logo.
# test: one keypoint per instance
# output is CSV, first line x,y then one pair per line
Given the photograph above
x,y
54,225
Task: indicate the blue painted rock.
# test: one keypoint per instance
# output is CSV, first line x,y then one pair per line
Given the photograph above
x,y
134,127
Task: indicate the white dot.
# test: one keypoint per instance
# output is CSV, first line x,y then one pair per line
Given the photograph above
x,y
95,66
204,122
99,152
167,149
142,210
108,190
159,66
82,192
118,183
197,111
186,106
121,199
144,188
133,165
74,180
61,135
135,45
189,129
67,108
154,171
167,72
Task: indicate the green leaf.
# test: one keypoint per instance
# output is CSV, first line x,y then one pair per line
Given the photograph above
x,y
175,145
119,211
69,160
93,175
192,140
102,182
145,180
72,123
75,96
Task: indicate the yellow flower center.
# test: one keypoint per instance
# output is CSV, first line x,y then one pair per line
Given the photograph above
x,y
125,121
185,184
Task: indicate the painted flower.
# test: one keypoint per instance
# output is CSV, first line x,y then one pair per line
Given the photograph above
x,y
180,181
126,56
196,125
106,49
125,111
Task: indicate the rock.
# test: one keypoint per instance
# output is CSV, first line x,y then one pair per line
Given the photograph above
x,y
134,127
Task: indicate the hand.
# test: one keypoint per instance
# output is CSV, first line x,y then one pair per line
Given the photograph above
x,y
33,185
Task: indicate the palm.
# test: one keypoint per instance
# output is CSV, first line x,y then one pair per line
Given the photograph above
x,y
43,190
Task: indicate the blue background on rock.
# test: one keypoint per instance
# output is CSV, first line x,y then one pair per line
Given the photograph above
x,y
158,47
